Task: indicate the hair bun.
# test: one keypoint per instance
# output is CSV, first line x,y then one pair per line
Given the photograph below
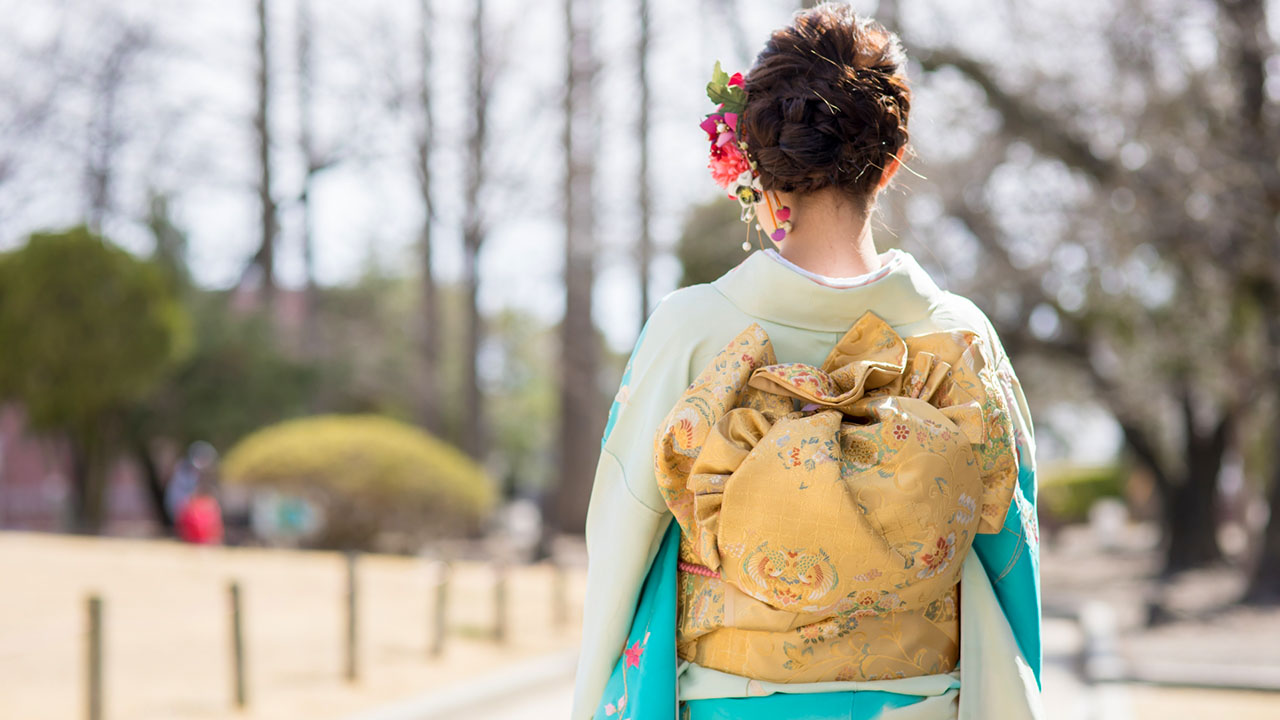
x,y
827,103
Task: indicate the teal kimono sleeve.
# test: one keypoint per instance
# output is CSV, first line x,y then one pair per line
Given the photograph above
x,y
1011,557
643,681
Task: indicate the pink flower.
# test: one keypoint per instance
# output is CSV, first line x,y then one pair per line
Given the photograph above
x,y
736,80
633,654
727,163
709,125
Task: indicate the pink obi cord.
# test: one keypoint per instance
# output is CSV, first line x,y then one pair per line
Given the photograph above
x,y
698,569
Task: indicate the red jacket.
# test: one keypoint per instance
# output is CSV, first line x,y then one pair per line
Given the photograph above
x,y
200,521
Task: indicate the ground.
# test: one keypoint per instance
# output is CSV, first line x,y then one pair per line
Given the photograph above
x,y
168,634
167,628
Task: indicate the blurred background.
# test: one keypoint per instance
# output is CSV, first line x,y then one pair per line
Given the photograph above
x,y
311,313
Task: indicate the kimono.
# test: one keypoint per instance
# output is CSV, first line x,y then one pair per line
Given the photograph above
x,y
630,666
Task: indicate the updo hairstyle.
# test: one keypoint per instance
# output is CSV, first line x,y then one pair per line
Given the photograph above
x,y
827,103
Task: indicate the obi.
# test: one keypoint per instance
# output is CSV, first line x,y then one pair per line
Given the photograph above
x,y
825,511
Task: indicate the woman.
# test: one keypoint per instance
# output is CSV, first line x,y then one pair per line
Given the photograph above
x,y
831,516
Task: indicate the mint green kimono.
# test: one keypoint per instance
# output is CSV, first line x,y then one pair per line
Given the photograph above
x,y
628,667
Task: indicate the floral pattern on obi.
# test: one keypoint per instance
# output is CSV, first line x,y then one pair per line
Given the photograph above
x,y
828,509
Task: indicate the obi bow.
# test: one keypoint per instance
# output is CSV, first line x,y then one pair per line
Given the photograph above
x,y
814,489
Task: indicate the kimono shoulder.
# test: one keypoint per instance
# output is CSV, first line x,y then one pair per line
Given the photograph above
x,y
660,367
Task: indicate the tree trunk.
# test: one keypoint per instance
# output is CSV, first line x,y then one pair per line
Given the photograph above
x,y
106,131
312,165
88,483
429,400
1264,586
152,482
473,425
580,412
1191,507
264,258
646,195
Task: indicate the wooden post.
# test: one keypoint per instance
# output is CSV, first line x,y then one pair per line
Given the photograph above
x,y
352,609
500,602
94,657
441,609
237,647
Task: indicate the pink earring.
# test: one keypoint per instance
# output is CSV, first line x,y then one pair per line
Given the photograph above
x,y
781,219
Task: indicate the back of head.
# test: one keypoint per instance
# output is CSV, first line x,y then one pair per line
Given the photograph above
x,y
827,103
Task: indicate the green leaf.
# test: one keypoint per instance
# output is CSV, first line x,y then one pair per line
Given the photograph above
x,y
719,76
719,85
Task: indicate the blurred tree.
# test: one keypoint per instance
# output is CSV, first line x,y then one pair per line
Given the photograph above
x,y
1147,267
523,393
372,476
474,438
314,162
711,241
107,129
170,241
86,329
236,379
261,267
581,410
345,142
644,181
429,412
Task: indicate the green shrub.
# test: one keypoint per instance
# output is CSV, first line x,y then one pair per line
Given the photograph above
x,y
1067,492
374,478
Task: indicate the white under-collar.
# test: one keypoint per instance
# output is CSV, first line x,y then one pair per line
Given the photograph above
x,y
888,259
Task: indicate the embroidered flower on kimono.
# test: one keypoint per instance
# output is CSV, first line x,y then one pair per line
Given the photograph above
x,y
612,709
935,561
900,432
868,576
793,457
819,631
852,672
633,654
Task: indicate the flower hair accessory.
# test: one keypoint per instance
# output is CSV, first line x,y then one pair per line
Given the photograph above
x,y
732,167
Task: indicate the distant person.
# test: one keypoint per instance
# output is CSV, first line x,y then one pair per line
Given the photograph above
x,y
182,484
199,520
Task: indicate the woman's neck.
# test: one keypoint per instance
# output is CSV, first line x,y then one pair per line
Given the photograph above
x,y
832,237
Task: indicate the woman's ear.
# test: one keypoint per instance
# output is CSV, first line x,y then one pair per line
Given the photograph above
x,y
891,169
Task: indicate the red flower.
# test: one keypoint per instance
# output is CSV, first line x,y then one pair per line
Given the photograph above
x,y
633,654
736,80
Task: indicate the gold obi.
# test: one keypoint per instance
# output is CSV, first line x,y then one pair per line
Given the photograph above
x,y
825,512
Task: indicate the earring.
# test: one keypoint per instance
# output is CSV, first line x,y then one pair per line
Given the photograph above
x,y
781,218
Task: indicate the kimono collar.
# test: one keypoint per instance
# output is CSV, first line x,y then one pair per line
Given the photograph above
x,y
765,289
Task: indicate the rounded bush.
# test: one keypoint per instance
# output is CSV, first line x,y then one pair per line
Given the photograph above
x,y
379,482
